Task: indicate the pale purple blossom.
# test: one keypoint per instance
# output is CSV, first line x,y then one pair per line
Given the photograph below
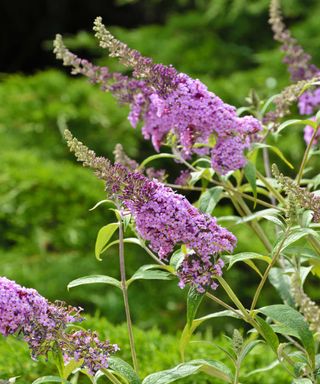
x,y
87,346
309,102
43,325
309,132
166,102
166,219
183,178
162,217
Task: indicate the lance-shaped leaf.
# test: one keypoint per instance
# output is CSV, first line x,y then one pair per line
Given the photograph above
x,y
156,157
245,256
281,281
95,279
209,199
193,301
189,330
151,272
104,235
268,333
210,367
290,318
124,370
50,379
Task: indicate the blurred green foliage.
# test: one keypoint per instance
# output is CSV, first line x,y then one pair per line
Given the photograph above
x,y
156,351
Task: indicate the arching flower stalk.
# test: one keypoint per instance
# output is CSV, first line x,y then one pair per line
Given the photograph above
x,y
169,102
301,70
164,218
298,197
43,325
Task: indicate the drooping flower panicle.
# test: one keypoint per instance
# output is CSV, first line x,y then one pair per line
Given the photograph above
x,y
169,102
164,218
43,326
301,70
298,61
300,197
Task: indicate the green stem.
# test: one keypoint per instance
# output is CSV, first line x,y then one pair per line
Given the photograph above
x,y
266,162
244,210
125,296
236,374
270,188
315,243
222,303
233,297
266,273
306,155
110,376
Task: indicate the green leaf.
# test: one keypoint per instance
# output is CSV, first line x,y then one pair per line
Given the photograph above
x,y
250,174
193,301
281,282
302,381
268,333
101,202
276,150
155,157
177,258
283,330
293,237
209,199
248,347
258,215
291,318
226,313
151,272
126,221
104,235
211,367
264,369
294,122
129,240
95,279
70,367
50,379
203,173
123,369
243,256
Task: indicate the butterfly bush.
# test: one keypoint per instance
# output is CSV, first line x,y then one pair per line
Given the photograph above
x,y
299,65
164,218
43,325
170,103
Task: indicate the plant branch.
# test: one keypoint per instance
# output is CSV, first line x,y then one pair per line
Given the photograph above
x,y
306,155
125,296
266,273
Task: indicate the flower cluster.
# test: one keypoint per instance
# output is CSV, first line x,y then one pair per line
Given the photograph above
x,y
43,326
300,68
299,197
296,58
169,102
183,178
122,158
87,347
285,99
307,307
164,218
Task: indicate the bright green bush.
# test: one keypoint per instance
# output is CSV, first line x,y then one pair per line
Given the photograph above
x,y
38,108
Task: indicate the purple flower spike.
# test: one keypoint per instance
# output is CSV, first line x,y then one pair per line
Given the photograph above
x,y
166,101
43,326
